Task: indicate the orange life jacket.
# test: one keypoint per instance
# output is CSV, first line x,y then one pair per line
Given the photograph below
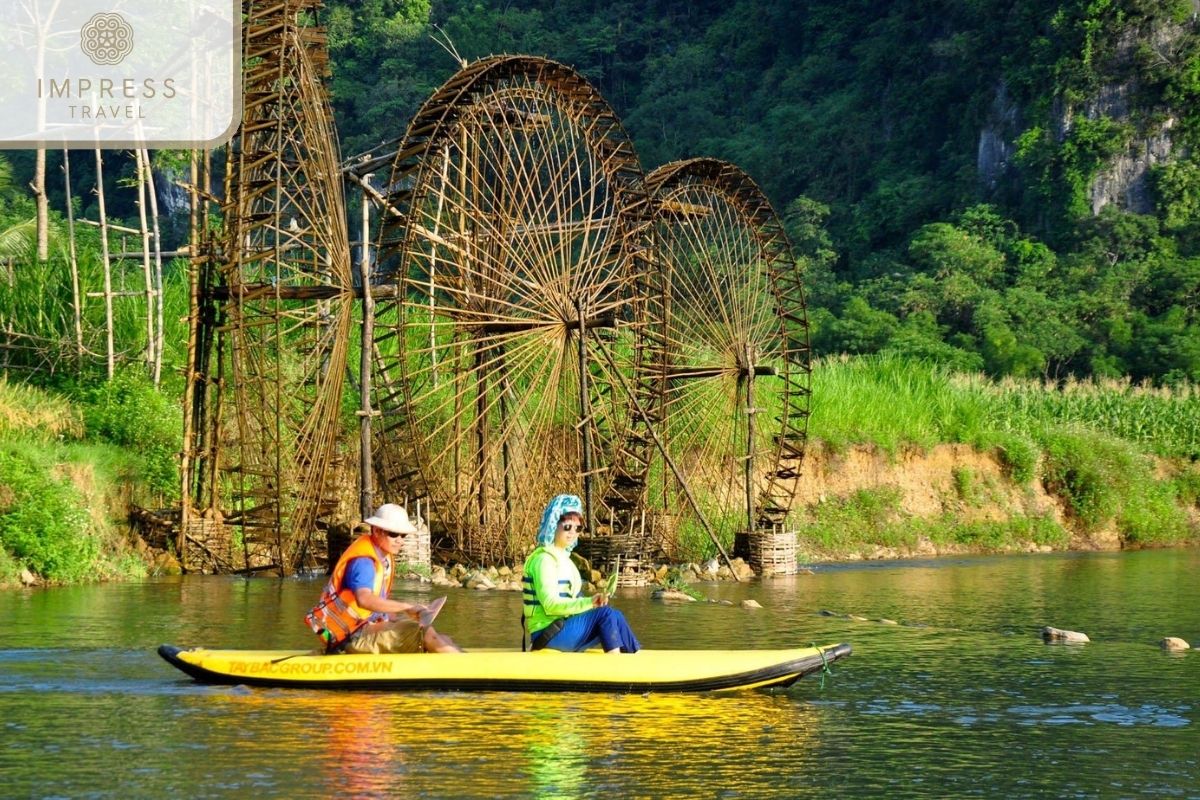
x,y
338,614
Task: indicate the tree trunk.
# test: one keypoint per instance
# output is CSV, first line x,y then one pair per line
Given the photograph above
x,y
43,206
158,270
76,297
108,295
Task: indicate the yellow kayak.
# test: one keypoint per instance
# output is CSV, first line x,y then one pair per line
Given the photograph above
x,y
509,670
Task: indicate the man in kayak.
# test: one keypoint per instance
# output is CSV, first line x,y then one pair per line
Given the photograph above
x,y
355,614
554,613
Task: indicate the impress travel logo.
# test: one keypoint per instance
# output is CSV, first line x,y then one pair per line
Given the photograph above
x,y
106,39
119,73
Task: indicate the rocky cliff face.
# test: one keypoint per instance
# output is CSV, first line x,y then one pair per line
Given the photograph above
x,y
1125,181
995,152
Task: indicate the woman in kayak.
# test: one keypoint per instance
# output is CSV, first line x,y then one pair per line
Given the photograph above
x,y
554,613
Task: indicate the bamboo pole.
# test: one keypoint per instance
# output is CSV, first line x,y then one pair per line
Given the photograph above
x,y
144,232
585,414
192,367
158,269
76,300
662,449
750,448
108,306
366,479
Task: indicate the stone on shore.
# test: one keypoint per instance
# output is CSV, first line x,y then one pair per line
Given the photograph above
x,y
672,596
164,564
1174,643
1050,634
27,577
751,604
742,570
479,580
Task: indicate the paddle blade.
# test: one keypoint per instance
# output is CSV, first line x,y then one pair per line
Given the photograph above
x,y
430,612
612,579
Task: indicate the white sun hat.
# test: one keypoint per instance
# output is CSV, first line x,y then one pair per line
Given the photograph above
x,y
391,517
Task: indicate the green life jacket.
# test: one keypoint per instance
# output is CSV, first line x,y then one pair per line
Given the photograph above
x,y
550,586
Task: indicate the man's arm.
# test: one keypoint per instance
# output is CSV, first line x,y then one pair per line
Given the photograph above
x,y
366,598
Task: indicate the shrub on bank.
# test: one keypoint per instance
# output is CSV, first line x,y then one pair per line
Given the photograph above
x,y
61,493
43,522
129,412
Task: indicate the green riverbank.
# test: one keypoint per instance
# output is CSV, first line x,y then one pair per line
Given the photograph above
x,y
905,459
71,463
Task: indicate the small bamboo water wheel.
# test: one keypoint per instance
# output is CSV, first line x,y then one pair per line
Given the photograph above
x,y
734,368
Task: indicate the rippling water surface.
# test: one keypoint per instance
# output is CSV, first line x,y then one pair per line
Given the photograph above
x,y
958,698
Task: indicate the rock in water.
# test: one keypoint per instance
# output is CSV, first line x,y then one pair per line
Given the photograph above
x,y
1050,634
1174,643
672,596
751,604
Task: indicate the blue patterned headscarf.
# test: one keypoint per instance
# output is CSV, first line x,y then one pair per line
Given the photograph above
x,y
561,505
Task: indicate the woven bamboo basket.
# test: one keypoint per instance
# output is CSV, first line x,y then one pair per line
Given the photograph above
x,y
605,552
772,552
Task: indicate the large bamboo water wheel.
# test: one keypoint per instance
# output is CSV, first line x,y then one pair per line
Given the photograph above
x,y
276,300
734,372
518,216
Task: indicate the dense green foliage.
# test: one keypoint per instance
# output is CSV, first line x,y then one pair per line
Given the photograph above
x,y
69,466
865,125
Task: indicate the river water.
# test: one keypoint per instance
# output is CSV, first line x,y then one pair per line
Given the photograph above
x,y
960,698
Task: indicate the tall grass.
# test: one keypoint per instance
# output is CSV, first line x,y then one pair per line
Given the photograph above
x,y
36,414
892,403
38,304
1092,442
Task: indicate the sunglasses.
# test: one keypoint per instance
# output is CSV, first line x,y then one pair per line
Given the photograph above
x,y
391,535
572,526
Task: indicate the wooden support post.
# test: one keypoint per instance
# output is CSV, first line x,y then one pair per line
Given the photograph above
x,y
585,413
193,367
750,449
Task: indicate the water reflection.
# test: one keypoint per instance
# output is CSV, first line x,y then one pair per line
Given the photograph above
x,y
961,699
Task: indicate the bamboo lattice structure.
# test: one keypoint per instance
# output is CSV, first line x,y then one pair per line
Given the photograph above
x,y
734,370
513,240
272,326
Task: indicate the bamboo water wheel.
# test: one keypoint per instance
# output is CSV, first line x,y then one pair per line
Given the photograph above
x,y
275,301
734,369
518,218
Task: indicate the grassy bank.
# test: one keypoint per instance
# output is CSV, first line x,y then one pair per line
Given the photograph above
x,y
1110,463
1120,460
71,461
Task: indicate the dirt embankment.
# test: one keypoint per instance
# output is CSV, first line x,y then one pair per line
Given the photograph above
x,y
950,481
